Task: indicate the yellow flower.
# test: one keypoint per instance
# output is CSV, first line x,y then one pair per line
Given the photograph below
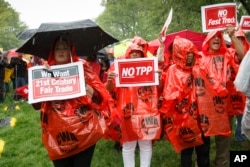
x,y
12,122
17,107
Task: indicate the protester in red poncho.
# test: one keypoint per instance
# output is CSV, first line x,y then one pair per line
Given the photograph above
x,y
71,127
179,107
137,107
240,46
210,81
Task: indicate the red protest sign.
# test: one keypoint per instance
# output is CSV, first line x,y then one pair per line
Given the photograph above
x,y
245,23
136,72
58,83
218,16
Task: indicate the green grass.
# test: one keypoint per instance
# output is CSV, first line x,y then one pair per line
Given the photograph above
x,y
23,147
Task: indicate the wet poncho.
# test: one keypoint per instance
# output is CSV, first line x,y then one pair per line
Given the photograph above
x,y
211,79
71,126
179,105
137,107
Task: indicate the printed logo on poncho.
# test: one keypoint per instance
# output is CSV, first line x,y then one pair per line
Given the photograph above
x,y
237,102
219,104
83,113
67,141
128,110
187,134
167,124
204,122
193,110
200,87
145,93
231,73
149,123
218,62
182,106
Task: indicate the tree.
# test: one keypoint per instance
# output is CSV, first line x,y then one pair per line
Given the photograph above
x,y
126,18
10,26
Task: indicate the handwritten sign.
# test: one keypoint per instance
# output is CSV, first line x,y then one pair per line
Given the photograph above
x,y
57,83
218,16
136,72
245,23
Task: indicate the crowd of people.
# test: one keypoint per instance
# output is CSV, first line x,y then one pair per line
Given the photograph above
x,y
194,101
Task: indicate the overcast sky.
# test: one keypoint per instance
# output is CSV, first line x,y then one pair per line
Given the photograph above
x,y
35,12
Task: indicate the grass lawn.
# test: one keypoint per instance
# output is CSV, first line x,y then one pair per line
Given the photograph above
x,y
23,147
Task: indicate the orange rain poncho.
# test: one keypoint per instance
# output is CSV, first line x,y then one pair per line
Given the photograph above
x,y
211,78
70,126
237,98
137,107
179,107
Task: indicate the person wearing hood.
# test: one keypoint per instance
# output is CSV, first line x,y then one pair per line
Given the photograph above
x,y
136,105
180,106
241,46
71,127
211,80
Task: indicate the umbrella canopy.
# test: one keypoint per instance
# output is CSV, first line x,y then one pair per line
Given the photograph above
x,y
87,37
153,46
26,34
196,37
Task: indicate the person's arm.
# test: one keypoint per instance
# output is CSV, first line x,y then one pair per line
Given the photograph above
x,y
110,81
160,50
238,45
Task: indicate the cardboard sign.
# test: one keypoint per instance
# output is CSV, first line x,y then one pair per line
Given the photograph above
x,y
245,23
217,17
136,72
60,82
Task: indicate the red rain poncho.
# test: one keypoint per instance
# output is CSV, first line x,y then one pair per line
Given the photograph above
x,y
70,126
179,107
211,78
138,110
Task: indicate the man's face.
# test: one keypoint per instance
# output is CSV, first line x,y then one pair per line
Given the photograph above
x,y
215,43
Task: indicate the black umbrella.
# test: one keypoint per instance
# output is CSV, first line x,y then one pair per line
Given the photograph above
x,y
87,37
26,34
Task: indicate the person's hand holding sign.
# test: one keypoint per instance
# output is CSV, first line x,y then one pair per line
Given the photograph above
x,y
237,38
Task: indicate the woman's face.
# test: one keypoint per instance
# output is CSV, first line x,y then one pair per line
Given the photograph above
x,y
190,59
136,54
62,52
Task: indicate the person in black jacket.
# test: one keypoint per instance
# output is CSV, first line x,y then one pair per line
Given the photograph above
x,y
3,64
20,73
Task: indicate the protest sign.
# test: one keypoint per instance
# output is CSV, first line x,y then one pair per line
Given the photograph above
x,y
218,16
60,82
245,23
136,72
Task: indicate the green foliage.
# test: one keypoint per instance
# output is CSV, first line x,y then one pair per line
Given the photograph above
x,y
10,26
23,146
145,18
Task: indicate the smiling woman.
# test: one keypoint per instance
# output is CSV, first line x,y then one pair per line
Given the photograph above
x,y
30,10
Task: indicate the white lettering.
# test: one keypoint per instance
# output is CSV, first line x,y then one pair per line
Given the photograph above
x,y
214,22
222,13
246,23
240,158
46,90
228,20
128,72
